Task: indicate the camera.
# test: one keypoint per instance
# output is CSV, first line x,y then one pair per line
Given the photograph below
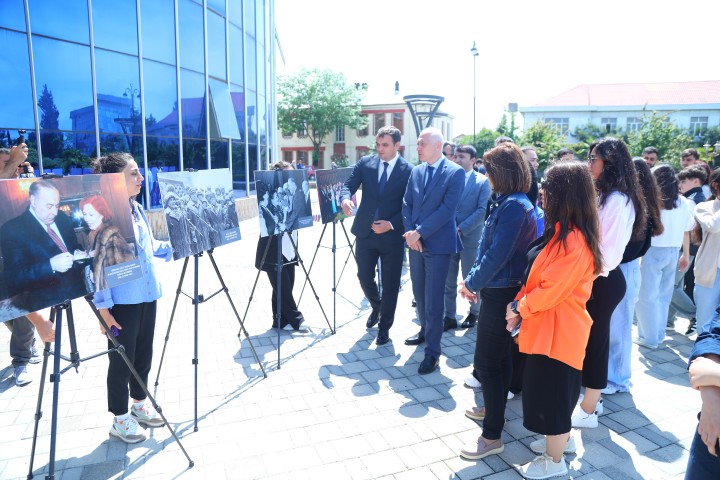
x,y
20,140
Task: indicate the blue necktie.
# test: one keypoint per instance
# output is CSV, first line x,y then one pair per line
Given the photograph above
x,y
383,177
429,175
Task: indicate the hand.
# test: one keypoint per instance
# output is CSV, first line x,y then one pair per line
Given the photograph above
x,y
61,262
109,321
467,294
412,238
683,263
80,254
45,328
379,226
704,372
709,426
20,169
347,207
18,154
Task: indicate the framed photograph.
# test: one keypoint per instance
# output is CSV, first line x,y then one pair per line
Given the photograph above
x,y
199,209
329,184
63,238
284,203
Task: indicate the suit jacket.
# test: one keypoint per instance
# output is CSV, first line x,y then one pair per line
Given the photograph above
x,y
432,213
470,216
27,249
388,203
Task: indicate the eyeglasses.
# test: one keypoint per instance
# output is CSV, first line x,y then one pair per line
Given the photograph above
x,y
591,158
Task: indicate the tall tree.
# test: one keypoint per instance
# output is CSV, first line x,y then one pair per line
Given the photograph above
x,y
546,138
51,141
659,131
317,101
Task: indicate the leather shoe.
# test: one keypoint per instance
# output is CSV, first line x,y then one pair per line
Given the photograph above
x,y
418,339
296,325
413,303
449,324
383,337
374,318
470,321
428,365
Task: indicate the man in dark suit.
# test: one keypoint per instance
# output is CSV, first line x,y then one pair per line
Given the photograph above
x,y
378,225
470,219
429,206
40,248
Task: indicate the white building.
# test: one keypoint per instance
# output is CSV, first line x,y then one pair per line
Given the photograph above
x,y
691,105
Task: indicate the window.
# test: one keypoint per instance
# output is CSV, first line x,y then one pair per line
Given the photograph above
x,y
562,124
363,132
361,152
288,156
634,124
287,134
302,132
192,53
158,30
17,108
609,124
398,121
698,125
302,157
379,121
216,46
115,25
340,133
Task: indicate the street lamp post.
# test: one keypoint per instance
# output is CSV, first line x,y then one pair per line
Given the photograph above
x,y
475,54
714,153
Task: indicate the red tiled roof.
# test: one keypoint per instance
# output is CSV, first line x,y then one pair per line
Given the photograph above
x,y
670,93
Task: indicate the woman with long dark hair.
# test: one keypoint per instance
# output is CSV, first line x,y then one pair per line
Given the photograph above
x,y
621,207
659,264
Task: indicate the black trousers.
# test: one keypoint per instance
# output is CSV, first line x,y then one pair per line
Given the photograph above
x,y
607,292
493,362
367,252
289,313
137,334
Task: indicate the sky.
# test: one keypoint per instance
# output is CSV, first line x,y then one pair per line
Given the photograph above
x,y
529,50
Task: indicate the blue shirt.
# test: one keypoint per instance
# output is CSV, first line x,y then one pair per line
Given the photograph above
x,y
708,340
147,288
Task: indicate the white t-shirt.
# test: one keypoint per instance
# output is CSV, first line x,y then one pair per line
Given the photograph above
x,y
675,222
617,217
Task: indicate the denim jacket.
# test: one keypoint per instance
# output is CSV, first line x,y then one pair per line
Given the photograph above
x,y
708,340
502,252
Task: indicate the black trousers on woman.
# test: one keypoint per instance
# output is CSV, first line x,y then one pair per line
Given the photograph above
x,y
289,313
493,362
607,292
137,334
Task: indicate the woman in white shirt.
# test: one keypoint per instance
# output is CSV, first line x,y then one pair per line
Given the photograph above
x,y
658,266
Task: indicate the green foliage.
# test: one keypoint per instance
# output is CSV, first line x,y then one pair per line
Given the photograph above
x,y
660,132
484,140
341,160
547,140
505,128
318,101
588,133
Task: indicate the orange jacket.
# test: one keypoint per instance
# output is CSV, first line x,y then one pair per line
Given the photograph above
x,y
552,302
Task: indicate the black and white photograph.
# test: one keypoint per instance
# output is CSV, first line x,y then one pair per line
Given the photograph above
x,y
329,184
199,209
63,238
284,203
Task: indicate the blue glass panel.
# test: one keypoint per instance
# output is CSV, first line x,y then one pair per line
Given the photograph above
x,y
249,17
235,13
217,62
120,142
160,99
261,65
118,92
64,93
67,20
251,101
253,162
219,154
16,104
262,117
195,154
251,62
192,54
12,14
115,25
236,55
238,165
260,21
73,150
237,94
163,152
193,105
218,5
158,30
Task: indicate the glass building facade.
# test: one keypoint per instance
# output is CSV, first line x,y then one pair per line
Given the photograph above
x,y
177,83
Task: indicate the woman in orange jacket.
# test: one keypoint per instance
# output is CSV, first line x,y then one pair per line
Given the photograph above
x,y
549,310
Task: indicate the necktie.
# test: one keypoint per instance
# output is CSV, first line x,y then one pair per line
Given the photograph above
x,y
57,240
383,177
429,175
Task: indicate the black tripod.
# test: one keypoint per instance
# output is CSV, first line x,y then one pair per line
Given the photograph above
x,y
334,250
197,299
75,360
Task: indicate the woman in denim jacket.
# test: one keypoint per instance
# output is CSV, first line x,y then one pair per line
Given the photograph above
x,y
496,277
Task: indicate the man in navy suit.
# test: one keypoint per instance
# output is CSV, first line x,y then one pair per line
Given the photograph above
x,y
378,225
429,206
470,219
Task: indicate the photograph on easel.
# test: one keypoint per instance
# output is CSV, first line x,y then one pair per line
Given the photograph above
x,y
284,203
63,238
329,184
199,210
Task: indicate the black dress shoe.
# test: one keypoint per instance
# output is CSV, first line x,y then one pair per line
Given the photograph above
x,y
374,318
283,323
296,325
428,365
383,337
414,303
449,324
418,339
470,321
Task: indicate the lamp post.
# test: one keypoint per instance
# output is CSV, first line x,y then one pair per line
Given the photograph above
x,y
715,151
475,54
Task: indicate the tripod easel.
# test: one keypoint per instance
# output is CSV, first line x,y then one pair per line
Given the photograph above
x,y
197,299
75,360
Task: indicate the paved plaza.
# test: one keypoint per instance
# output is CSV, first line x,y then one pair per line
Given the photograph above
x,y
336,407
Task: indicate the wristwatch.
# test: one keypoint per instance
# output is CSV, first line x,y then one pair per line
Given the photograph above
x,y
514,307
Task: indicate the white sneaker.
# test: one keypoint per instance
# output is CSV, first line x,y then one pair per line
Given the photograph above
x,y
544,467
510,395
147,416
540,446
22,377
127,431
472,382
599,408
610,390
580,419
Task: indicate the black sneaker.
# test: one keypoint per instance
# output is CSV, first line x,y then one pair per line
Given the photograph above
x,y
691,327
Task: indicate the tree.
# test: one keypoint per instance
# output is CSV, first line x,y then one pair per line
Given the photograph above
x,y
588,133
484,140
504,129
317,101
547,140
52,143
659,131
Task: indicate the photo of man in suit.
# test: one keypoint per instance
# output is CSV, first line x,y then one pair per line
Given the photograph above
x,y
429,206
41,251
378,225
470,219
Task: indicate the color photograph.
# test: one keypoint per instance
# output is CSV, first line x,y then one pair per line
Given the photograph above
x,y
329,184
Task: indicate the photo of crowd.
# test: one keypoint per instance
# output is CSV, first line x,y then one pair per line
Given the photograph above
x,y
329,185
284,203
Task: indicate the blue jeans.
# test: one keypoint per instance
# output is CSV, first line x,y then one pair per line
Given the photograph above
x,y
706,301
621,329
701,465
657,273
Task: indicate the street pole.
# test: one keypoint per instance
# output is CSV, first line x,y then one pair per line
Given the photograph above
x,y
474,52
